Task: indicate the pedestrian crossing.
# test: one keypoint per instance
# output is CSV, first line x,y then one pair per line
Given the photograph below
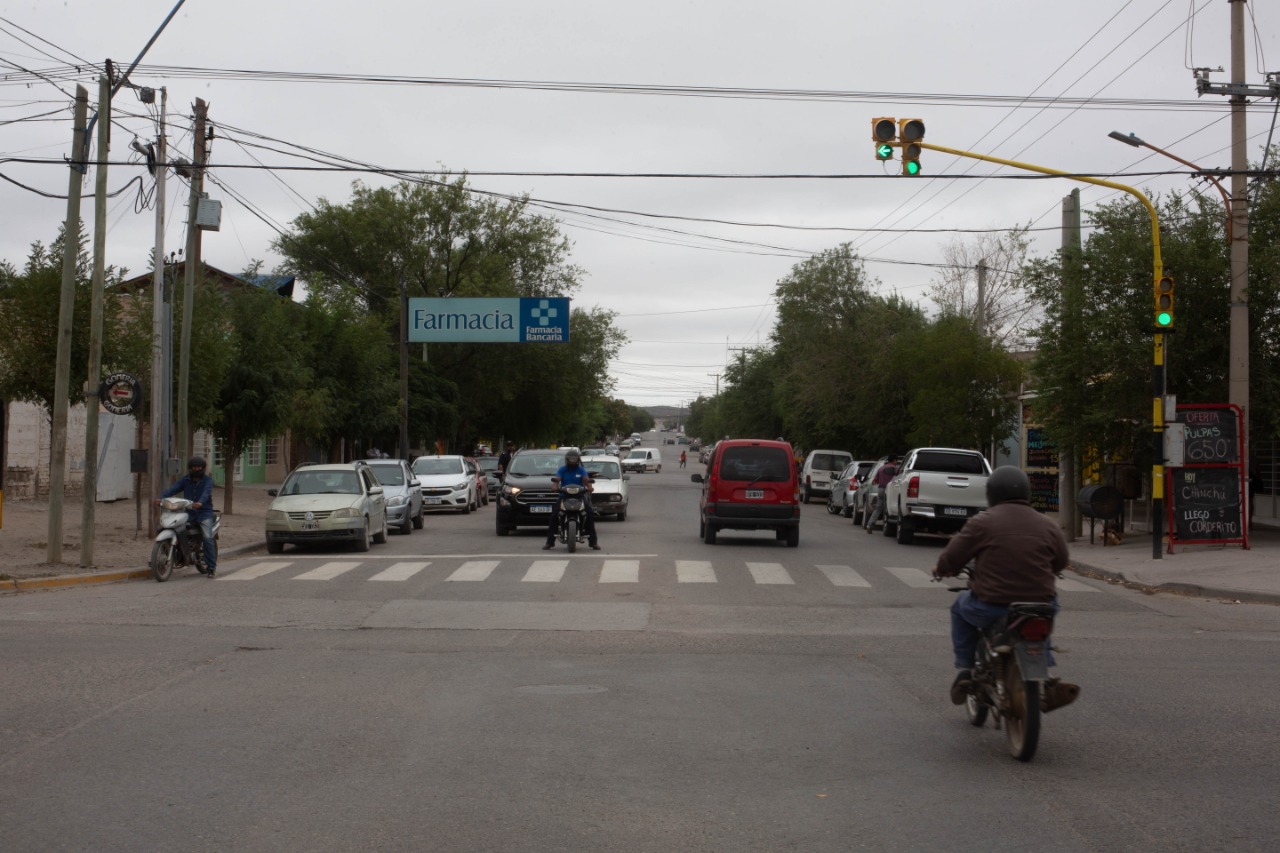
x,y
602,571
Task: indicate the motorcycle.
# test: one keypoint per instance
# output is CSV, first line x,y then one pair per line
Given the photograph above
x,y
179,541
572,521
1010,680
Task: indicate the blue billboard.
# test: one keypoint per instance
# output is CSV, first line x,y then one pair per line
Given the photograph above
x,y
486,321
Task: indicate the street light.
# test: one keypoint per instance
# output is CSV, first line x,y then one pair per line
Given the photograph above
x,y
1132,139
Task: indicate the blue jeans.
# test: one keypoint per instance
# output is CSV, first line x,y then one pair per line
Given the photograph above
x,y
970,616
870,518
210,550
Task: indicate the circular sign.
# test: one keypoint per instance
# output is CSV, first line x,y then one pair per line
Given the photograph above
x,y
121,394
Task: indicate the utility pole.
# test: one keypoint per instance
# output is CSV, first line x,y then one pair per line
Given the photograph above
x,y
1069,477
404,369
94,375
66,307
189,286
161,359
717,377
980,315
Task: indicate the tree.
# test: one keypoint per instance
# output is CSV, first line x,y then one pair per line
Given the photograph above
x,y
1008,311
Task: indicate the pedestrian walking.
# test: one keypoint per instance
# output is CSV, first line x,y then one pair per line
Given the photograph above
x,y
886,473
684,457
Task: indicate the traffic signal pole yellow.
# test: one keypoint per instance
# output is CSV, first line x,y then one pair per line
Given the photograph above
x,y
1158,365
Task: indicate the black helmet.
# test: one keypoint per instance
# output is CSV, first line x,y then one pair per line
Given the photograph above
x,y
1008,483
573,457
195,462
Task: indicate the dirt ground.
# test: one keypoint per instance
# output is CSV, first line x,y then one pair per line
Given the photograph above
x,y
118,542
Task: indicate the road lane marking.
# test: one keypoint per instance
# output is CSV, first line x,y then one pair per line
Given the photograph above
x,y
474,570
327,572
1069,585
915,578
769,573
620,571
545,571
254,571
399,572
843,576
695,571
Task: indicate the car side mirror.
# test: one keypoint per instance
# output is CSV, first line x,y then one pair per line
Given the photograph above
x,y
626,476
273,492
376,490
697,478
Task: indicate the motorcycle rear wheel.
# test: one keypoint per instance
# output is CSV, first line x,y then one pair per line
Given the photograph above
x,y
162,560
571,534
1022,722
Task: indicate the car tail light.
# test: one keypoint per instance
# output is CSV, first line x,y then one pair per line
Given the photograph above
x,y
1034,629
913,487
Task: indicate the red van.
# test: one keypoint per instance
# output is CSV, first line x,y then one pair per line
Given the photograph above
x,y
750,484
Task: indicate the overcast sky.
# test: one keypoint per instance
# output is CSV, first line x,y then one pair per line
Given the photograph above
x,y
688,294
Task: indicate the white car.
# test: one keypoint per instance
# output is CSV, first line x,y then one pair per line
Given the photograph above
x,y
446,483
642,459
609,486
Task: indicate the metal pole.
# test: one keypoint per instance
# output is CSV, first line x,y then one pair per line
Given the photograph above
x,y
1238,364
66,308
404,370
94,375
1070,478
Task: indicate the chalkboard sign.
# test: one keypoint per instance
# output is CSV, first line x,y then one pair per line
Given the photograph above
x,y
1041,453
1213,436
1044,491
1206,504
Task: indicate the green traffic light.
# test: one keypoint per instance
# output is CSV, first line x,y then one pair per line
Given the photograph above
x,y
884,151
912,167
1164,319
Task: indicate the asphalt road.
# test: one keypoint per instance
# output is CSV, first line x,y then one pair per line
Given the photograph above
x,y
453,690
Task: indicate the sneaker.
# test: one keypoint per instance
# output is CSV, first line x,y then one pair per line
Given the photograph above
x,y
1057,693
212,573
548,546
961,687
595,547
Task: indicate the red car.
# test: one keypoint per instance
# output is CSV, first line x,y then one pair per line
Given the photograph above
x,y
750,484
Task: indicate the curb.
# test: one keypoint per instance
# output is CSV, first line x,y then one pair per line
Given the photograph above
x,y
1185,589
17,585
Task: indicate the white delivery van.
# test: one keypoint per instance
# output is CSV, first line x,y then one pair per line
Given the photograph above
x,y
821,469
642,459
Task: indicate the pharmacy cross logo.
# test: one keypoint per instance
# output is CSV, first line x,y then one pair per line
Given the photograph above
x,y
544,313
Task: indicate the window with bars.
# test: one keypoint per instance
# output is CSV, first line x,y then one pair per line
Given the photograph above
x,y
253,453
273,451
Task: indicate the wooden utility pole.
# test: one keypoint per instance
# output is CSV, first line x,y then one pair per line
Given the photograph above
x,y
66,307
404,369
94,375
161,358
189,285
1068,477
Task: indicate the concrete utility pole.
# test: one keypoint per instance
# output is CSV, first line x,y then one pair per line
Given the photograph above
x,y
66,307
189,286
1238,370
161,387
1068,476
404,369
94,375
980,314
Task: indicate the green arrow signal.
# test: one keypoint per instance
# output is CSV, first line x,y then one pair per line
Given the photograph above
x,y
884,151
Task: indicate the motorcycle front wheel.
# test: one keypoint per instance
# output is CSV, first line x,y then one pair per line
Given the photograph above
x,y
571,534
162,560
976,711
1022,722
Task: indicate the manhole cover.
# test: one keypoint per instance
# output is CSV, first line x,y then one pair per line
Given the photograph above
x,y
561,689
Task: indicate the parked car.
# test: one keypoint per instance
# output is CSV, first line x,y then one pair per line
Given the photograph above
x,y
609,496
327,503
751,484
936,490
446,483
820,468
482,482
642,459
867,491
402,491
489,465
611,449
528,496
845,488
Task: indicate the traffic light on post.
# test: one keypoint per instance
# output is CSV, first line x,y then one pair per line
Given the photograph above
x,y
884,133
1164,304
910,135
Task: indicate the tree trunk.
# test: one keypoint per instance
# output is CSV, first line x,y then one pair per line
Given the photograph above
x,y
229,474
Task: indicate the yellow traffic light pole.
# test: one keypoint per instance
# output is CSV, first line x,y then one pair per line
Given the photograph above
x,y
1158,368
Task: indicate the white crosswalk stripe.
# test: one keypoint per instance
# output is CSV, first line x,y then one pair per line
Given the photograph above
x,y
474,570
769,573
914,578
255,571
844,576
546,571
620,571
399,572
326,572
695,571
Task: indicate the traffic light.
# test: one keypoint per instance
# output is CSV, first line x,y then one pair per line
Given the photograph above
x,y
1164,304
910,134
884,133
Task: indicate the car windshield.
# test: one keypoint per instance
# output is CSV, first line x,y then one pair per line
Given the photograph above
x,y
760,464
488,463
603,469
322,483
389,475
535,464
829,461
437,465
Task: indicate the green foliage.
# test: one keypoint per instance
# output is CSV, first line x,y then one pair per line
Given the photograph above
x,y
641,421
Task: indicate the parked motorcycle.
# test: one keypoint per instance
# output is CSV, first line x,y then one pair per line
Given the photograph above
x,y
179,541
572,521
1011,676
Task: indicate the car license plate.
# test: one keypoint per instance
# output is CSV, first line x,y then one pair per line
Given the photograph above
x,y
434,500
539,508
757,494
955,510
310,525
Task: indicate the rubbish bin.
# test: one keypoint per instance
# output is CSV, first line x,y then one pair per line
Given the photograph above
x,y
1100,502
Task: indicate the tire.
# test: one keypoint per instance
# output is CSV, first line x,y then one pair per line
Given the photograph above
x,y
275,547
975,711
832,509
420,518
362,542
502,529
571,534
906,533
858,516
622,515
380,538
890,527
1022,723
466,509
804,495
847,511
407,527
709,534
162,560
793,537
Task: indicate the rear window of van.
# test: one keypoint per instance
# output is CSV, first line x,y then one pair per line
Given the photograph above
x,y
830,461
759,464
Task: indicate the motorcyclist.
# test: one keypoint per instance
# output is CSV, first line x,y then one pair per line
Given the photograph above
x,y
572,473
197,487
1017,553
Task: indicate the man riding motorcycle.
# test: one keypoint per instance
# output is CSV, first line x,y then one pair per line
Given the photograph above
x,y
198,488
572,473
1017,553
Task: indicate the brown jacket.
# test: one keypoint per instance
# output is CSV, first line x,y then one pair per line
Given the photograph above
x,y
1016,553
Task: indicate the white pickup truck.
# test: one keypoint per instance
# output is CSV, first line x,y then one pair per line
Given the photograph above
x,y
936,490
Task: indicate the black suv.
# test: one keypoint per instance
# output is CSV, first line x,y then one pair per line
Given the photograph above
x,y
528,497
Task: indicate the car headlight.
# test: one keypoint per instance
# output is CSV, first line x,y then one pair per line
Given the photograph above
x,y
511,490
276,515
398,500
346,512
458,486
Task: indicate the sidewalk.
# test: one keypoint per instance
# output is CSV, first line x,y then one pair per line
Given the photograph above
x,y
1209,571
